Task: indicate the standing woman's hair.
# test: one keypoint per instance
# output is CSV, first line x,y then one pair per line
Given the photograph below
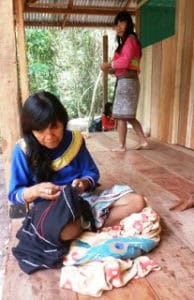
x,y
125,16
39,111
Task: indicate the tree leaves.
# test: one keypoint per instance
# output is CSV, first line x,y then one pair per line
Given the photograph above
x,y
66,63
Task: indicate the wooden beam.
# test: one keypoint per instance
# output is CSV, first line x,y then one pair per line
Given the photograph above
x,y
180,29
190,130
58,24
23,69
186,72
30,1
70,6
99,11
105,75
9,108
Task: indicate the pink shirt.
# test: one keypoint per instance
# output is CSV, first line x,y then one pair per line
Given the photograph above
x,y
128,58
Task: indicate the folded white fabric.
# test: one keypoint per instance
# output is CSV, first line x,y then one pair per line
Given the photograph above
x,y
91,272
95,277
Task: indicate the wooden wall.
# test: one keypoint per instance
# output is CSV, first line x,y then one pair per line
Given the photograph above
x,y
9,103
167,83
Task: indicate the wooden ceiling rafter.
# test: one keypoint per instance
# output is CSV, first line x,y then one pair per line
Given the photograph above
x,y
67,24
38,13
99,11
70,6
30,1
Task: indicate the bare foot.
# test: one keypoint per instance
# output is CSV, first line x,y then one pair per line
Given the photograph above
x,y
184,204
120,149
144,146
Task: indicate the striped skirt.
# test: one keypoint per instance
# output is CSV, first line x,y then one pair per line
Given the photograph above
x,y
125,98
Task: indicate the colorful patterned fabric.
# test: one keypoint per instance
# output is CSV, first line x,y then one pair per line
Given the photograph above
x,y
112,257
100,201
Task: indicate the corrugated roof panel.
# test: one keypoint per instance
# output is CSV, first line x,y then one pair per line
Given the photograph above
x,y
100,3
76,19
63,13
52,2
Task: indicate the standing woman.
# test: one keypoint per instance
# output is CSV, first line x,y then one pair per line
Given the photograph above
x,y
125,66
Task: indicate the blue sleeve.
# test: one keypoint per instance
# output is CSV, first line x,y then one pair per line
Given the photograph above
x,y
20,176
87,165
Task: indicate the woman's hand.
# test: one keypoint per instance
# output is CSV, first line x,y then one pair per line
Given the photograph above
x,y
45,190
106,67
81,185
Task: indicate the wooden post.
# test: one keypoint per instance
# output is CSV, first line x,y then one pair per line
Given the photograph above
x,y
9,105
22,61
105,75
183,110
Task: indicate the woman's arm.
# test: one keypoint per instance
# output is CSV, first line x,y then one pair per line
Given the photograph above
x,y
129,50
88,170
22,185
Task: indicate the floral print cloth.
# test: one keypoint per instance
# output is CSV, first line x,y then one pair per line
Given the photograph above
x,y
113,256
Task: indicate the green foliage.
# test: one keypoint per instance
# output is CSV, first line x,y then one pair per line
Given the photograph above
x,y
66,62
41,59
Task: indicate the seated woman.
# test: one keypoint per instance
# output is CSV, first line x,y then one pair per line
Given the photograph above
x,y
48,157
108,123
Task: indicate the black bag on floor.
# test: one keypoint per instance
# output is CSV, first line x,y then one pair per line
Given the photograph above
x,y
39,244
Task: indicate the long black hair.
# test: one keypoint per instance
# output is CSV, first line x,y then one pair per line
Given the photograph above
x,y
39,111
125,16
108,109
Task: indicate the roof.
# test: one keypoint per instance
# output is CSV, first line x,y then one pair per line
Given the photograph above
x,y
75,13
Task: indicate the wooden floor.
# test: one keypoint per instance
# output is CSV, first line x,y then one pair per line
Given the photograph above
x,y
164,174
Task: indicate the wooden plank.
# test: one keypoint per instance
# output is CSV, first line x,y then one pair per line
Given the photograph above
x,y
143,170
161,200
190,135
162,186
45,284
22,60
105,74
176,278
180,27
100,144
144,105
168,157
167,81
162,154
40,285
177,266
9,108
171,97
186,70
156,86
138,288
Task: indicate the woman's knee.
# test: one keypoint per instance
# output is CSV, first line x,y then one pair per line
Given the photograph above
x,y
71,231
132,120
139,202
